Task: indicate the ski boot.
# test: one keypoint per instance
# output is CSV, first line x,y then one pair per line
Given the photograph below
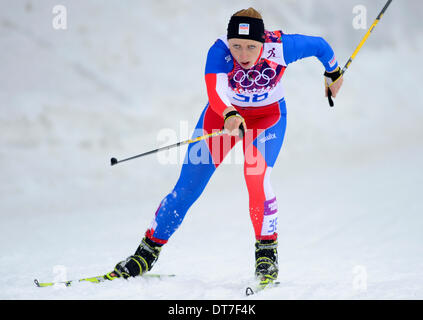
x,y
266,261
142,261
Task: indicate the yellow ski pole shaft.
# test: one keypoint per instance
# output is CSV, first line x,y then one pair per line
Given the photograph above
x,y
366,36
114,161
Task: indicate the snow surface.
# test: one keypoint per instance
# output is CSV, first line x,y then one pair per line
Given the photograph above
x,y
348,180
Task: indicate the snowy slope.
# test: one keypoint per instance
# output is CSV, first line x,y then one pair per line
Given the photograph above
x,y
348,179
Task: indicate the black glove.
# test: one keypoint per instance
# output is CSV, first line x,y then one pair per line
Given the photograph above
x,y
331,78
234,113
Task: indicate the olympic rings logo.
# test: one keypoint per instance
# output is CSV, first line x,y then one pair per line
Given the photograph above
x,y
256,77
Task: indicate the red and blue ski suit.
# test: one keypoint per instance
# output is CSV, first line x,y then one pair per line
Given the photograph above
x,y
258,95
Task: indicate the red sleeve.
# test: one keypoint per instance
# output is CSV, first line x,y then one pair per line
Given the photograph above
x,y
216,91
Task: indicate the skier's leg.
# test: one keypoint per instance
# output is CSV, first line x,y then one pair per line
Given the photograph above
x,y
201,160
261,149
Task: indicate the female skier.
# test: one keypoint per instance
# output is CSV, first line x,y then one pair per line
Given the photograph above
x,y
243,78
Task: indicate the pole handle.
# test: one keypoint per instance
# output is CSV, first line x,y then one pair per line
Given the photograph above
x,y
330,98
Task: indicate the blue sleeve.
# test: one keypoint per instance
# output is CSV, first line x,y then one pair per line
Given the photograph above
x,y
219,58
297,46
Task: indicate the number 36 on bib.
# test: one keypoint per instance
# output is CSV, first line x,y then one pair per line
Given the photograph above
x,y
254,98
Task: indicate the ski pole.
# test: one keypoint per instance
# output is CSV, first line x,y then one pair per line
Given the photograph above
x,y
359,46
114,161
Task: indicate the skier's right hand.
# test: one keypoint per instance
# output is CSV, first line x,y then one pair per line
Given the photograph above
x,y
234,122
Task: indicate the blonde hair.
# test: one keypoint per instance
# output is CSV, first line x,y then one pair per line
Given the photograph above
x,y
250,12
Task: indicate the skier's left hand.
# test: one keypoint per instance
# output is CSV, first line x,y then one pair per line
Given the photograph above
x,y
333,81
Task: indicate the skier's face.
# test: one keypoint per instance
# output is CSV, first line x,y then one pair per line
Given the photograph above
x,y
245,51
